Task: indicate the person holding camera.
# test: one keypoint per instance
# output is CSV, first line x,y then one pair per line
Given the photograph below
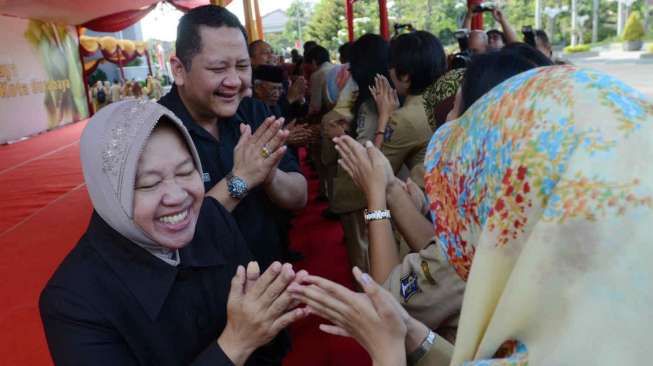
x,y
494,40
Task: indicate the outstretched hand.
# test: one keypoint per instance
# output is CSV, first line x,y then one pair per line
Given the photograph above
x,y
373,318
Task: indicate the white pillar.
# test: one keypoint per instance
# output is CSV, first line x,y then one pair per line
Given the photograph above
x,y
595,21
538,14
647,18
620,18
574,23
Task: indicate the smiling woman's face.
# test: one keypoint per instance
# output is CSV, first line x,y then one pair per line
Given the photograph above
x,y
168,189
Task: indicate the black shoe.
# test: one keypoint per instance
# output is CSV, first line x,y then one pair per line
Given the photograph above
x,y
330,215
293,256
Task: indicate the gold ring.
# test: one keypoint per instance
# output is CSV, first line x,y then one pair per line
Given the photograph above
x,y
265,152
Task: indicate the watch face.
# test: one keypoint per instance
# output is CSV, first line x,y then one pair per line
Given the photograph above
x,y
237,187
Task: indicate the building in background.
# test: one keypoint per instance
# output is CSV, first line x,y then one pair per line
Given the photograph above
x,y
274,22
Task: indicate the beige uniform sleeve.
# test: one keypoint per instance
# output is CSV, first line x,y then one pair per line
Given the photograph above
x,y
438,355
428,287
317,85
346,100
404,143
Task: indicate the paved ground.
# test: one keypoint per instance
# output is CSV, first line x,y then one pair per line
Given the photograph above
x,y
626,66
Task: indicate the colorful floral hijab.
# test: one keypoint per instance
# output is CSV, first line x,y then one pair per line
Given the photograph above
x,y
547,184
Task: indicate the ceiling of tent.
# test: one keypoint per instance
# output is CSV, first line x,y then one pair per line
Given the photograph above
x,y
68,11
78,11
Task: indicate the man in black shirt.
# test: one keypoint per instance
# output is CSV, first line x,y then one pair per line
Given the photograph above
x,y
240,144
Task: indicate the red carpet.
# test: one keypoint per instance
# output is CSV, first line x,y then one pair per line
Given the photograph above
x,y
322,244
45,209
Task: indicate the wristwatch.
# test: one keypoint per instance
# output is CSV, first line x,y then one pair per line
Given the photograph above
x,y
414,357
236,186
374,215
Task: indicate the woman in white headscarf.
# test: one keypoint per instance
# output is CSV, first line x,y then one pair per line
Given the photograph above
x,y
150,282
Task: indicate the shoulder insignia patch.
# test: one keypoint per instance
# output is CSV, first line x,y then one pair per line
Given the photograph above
x,y
388,133
409,286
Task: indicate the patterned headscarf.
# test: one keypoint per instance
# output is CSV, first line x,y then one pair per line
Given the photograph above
x,y
438,98
110,149
542,199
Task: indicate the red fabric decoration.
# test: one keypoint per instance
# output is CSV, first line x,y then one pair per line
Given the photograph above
x,y
91,66
126,57
119,21
85,53
186,5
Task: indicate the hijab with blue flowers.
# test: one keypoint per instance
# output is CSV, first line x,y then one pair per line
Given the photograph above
x,y
542,199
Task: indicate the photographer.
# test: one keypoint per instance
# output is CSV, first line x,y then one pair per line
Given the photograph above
x,y
493,40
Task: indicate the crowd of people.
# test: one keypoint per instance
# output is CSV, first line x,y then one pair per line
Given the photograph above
x,y
494,212
106,92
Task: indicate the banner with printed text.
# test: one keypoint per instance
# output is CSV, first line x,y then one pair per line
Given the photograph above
x,y
41,83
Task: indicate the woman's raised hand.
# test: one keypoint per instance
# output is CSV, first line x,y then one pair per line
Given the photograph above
x,y
386,98
367,166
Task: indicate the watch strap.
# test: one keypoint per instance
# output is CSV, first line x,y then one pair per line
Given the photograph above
x,y
374,215
414,357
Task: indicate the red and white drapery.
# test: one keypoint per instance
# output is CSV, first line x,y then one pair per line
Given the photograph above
x,y
119,21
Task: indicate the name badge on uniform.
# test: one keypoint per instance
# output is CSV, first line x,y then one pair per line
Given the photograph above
x,y
409,286
206,177
388,133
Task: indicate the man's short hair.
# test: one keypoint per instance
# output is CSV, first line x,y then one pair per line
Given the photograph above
x,y
496,31
542,36
273,74
345,51
252,46
318,54
420,56
308,45
189,41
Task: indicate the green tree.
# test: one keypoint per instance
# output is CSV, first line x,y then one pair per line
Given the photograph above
x,y
280,44
634,30
327,25
299,12
440,17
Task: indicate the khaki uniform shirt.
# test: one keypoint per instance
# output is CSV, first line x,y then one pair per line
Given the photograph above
x,y
406,138
429,288
319,100
346,196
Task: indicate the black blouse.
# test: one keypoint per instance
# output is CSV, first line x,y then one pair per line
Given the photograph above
x,y
110,302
